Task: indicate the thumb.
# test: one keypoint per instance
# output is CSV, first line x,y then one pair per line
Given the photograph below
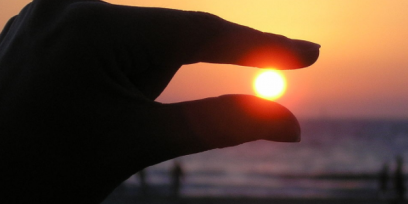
x,y
225,121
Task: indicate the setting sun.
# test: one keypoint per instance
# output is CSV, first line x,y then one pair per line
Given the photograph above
x,y
270,84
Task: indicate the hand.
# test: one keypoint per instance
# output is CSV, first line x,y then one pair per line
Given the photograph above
x,y
78,80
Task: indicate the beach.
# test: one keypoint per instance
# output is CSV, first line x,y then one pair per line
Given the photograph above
x,y
242,200
158,195
337,161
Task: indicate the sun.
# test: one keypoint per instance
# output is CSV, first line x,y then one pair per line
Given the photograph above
x,y
270,84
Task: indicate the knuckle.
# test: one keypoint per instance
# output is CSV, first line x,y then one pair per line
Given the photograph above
x,y
78,14
206,18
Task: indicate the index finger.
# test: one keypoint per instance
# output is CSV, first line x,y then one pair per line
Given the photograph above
x,y
240,45
185,37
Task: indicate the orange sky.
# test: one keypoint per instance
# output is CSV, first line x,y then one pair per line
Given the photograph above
x,y
361,72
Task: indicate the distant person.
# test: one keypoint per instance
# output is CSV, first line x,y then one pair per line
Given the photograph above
x,y
383,179
177,175
399,180
78,84
142,182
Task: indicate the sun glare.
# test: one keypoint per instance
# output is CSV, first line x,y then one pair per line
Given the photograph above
x,y
270,84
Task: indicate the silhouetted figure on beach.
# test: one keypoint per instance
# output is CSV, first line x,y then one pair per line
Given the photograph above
x,y
383,179
78,84
177,175
399,180
142,182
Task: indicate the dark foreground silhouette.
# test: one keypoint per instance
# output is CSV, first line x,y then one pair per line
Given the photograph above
x,y
78,80
399,181
176,176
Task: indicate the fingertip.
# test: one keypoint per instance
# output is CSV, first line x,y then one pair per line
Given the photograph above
x,y
294,133
289,130
308,52
306,45
268,120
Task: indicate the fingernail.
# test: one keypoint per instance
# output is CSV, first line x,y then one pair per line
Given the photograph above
x,y
306,45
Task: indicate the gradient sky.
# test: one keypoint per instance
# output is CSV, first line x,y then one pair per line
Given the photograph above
x,y
362,71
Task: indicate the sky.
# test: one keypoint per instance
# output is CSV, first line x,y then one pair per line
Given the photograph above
x,y
361,73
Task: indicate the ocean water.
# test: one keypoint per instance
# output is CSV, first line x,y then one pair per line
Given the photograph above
x,y
336,158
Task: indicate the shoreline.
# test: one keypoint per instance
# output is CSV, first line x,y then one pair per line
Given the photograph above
x,y
242,200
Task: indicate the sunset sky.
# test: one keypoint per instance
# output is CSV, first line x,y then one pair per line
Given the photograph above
x,y
361,73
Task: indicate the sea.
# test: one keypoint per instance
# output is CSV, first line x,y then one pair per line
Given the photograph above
x,y
336,158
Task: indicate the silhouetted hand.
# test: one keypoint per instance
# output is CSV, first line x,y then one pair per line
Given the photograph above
x,y
78,80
